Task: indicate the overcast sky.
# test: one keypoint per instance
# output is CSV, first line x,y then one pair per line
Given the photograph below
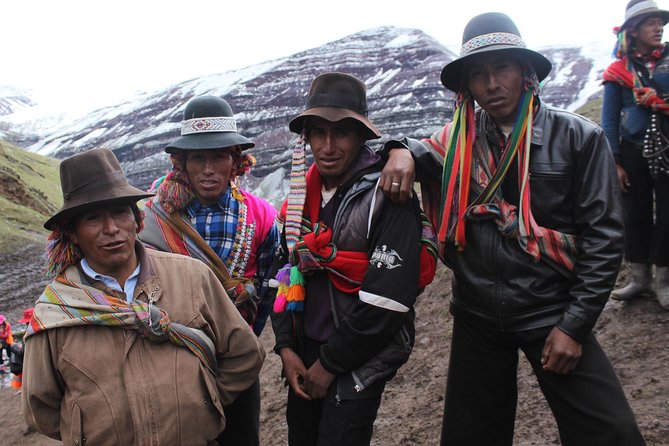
x,y
69,51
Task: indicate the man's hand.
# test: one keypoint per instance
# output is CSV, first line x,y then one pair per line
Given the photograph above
x,y
398,175
295,372
561,352
623,179
317,380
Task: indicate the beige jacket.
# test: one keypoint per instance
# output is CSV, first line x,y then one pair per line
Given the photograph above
x,y
107,385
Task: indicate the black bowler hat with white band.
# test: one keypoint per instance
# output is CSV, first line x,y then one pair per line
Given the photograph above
x,y
492,31
208,123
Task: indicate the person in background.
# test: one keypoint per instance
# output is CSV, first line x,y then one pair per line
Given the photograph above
x,y
344,313
200,211
528,208
635,122
17,350
128,345
6,340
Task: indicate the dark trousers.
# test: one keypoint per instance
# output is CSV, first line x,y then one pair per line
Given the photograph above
x,y
646,235
481,393
242,419
339,419
331,422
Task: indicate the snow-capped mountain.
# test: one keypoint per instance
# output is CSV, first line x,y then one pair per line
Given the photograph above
x,y
12,99
400,67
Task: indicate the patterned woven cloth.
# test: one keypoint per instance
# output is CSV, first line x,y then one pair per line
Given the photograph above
x,y
450,206
174,233
65,303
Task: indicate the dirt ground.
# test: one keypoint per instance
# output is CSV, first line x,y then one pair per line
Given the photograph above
x,y
635,336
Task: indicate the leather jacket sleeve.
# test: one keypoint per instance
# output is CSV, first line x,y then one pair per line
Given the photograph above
x,y
598,219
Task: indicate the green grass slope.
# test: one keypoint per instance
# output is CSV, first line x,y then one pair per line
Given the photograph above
x,y
592,110
29,194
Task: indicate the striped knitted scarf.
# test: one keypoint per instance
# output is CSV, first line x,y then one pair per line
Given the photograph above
x,y
310,246
469,164
65,303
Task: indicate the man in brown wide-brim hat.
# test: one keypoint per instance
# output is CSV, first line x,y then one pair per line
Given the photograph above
x,y
354,264
128,345
530,222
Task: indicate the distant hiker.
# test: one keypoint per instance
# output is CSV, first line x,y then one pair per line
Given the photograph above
x,y
128,345
17,350
530,222
6,340
200,211
344,317
635,118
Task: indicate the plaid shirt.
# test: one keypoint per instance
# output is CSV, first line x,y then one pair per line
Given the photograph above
x,y
217,224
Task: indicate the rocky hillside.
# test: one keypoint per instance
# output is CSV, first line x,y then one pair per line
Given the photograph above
x,y
400,67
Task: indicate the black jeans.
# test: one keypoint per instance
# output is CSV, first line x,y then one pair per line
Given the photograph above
x,y
481,392
242,419
646,235
342,418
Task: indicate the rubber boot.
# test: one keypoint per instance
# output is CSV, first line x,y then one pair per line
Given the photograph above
x,y
641,282
662,286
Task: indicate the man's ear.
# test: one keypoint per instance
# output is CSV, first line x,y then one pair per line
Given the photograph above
x,y
72,236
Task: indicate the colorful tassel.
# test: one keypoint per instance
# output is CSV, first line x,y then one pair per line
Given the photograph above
x,y
291,293
60,253
280,303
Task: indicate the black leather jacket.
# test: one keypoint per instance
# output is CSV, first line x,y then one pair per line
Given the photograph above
x,y
393,331
574,190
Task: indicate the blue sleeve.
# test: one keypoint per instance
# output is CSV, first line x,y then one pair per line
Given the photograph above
x,y
612,106
265,258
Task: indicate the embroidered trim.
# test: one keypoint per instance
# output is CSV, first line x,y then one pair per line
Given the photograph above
x,y
241,248
491,39
206,125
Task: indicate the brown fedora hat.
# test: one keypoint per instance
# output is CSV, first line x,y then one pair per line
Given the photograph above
x,y
89,180
637,10
492,31
333,97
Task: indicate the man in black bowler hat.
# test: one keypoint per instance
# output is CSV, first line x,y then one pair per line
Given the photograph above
x,y
530,221
201,211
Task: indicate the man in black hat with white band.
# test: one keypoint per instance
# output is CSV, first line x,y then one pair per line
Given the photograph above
x,y
201,211
530,221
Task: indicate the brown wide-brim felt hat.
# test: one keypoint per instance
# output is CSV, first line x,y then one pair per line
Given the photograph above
x,y
90,180
333,97
208,123
492,31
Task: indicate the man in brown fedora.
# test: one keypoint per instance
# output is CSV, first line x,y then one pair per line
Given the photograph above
x,y
343,316
201,211
128,345
530,222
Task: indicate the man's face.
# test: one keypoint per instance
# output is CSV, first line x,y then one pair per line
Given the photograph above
x,y
209,172
335,146
648,34
106,237
496,82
